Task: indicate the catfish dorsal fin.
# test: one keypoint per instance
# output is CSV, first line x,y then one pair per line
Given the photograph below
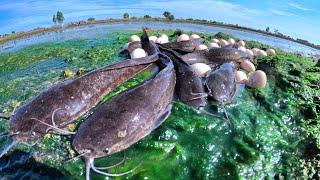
x,y
145,42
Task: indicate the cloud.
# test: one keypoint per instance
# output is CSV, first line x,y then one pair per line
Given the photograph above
x,y
300,7
281,13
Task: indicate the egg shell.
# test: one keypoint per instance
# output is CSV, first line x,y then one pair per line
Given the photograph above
x,y
257,79
213,45
241,77
247,66
271,52
138,53
242,43
261,53
161,40
231,41
165,37
201,47
224,43
201,69
183,37
255,51
134,38
214,40
153,38
195,36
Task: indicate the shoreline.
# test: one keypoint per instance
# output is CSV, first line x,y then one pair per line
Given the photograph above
x,y
40,30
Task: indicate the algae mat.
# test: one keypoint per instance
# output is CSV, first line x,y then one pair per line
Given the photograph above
x,y
275,135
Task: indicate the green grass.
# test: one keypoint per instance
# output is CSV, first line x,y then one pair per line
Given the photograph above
x,y
276,130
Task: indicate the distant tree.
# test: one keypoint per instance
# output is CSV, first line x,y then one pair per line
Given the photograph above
x,y
166,14
276,31
146,16
91,19
13,32
171,17
126,15
268,29
60,17
54,19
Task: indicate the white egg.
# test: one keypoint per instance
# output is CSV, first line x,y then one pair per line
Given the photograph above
x,y
195,36
214,40
250,52
201,69
242,43
271,52
153,38
126,45
213,45
255,51
138,53
134,38
241,48
261,53
257,79
165,38
161,40
183,37
201,47
231,41
247,66
224,43
241,77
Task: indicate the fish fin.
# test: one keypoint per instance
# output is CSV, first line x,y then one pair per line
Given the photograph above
x,y
8,145
161,118
145,42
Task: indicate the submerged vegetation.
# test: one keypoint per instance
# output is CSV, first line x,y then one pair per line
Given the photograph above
x,y
276,129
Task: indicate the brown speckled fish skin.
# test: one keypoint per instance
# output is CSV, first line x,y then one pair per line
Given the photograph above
x,y
71,98
221,83
189,87
127,117
216,56
184,47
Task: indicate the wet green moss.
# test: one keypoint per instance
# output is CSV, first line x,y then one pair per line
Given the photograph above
x,y
274,129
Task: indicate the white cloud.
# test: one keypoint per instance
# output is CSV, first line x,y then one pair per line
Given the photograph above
x,y
300,7
281,13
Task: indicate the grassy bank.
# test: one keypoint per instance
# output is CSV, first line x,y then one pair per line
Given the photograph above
x,y
20,35
276,128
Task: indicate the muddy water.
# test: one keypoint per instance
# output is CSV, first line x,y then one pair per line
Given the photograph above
x,y
95,31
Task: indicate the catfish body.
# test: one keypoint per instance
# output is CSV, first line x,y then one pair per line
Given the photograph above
x,y
65,102
216,56
221,83
189,86
127,117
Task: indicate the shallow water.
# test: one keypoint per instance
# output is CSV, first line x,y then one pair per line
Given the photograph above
x,y
189,145
96,31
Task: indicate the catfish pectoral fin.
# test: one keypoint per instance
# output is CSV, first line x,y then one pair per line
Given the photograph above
x,y
162,117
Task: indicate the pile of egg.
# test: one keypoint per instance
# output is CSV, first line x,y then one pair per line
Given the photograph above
x,y
247,73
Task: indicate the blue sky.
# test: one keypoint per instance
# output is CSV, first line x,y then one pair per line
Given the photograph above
x,y
299,19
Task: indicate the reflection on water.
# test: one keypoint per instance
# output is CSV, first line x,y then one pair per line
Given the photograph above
x,y
94,31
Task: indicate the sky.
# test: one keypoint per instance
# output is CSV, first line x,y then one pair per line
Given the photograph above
x,y
298,19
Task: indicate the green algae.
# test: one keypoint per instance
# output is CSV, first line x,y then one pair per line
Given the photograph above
x,y
274,129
